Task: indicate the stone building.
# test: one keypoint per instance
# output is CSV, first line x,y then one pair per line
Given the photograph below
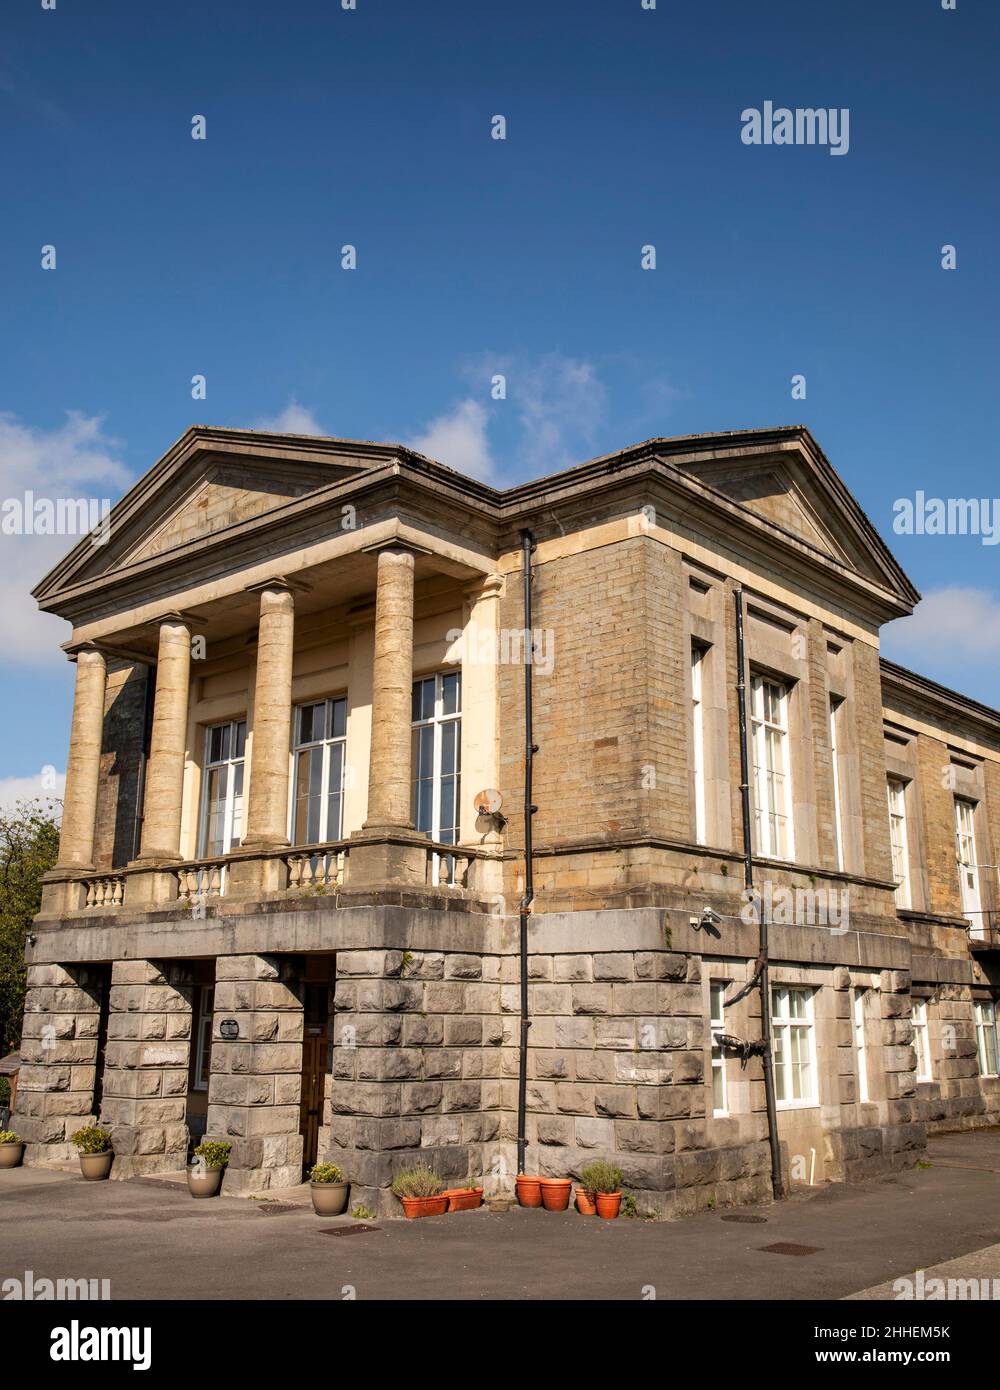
x,y
282,915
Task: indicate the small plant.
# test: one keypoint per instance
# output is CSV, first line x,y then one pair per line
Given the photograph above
x,y
420,1181
214,1153
923,1163
7,1136
362,1213
92,1139
711,1203
630,1207
601,1176
405,964
325,1172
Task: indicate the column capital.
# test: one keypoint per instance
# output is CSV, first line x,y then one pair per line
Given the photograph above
x,y
74,650
279,584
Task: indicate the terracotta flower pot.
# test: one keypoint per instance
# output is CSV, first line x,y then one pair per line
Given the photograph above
x,y
608,1204
464,1198
529,1191
424,1206
96,1167
204,1182
11,1155
329,1198
585,1203
556,1193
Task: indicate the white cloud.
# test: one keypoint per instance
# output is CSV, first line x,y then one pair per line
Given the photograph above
x,y
74,461
46,786
459,440
294,419
561,405
949,626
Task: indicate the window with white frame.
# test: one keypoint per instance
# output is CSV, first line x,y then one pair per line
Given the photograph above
x,y
898,840
968,869
794,1044
222,788
437,761
860,1046
986,1037
836,706
318,799
921,1039
202,1037
698,655
717,1024
771,768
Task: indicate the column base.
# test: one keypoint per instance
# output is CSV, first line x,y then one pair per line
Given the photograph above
x,y
382,855
62,890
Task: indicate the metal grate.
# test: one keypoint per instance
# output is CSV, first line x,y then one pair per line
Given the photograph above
x,y
785,1247
746,1218
346,1230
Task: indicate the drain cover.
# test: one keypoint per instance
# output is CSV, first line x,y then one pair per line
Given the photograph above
x,y
278,1208
346,1230
784,1247
746,1218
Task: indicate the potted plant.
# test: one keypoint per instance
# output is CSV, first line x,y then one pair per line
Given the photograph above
x,y
529,1191
421,1192
556,1193
586,1203
93,1144
465,1198
11,1149
328,1189
605,1181
204,1174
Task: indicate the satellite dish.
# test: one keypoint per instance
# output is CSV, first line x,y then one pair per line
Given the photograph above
x,y
488,802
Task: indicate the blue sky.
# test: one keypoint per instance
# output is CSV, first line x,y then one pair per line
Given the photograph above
x,y
372,127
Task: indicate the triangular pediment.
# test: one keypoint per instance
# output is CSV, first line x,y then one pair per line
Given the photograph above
x,y
775,494
208,486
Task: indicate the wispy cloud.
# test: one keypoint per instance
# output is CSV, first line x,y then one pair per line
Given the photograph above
x,y
459,439
77,460
294,419
43,786
952,630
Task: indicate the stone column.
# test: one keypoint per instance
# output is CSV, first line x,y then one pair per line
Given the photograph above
x,y
147,1066
161,810
392,694
255,1087
267,805
59,1044
76,839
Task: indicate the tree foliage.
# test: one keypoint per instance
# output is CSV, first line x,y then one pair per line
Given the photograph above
x,y
29,843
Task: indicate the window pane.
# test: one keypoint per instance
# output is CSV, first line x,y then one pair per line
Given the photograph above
x,y
338,728
241,738
237,835
451,689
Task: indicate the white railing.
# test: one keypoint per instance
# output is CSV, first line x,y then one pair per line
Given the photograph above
x,y
196,882
322,867
107,891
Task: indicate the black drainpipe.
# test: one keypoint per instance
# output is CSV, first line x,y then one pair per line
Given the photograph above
x,y
530,749
767,1057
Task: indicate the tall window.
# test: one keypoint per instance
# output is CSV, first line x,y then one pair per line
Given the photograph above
x,y
201,1060
838,827
771,780
437,760
720,1094
794,1046
859,1044
222,788
320,741
698,742
897,840
986,1037
921,1039
968,871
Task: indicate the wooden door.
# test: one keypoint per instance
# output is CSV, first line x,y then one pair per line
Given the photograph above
x,y
315,1049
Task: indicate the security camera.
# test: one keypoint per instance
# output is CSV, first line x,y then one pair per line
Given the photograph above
x,y
709,918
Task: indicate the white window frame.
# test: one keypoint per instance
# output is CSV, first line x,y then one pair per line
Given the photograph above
x,y
203,1034
861,1046
230,841
698,655
327,743
986,1033
444,866
968,867
899,840
838,825
767,735
782,1026
921,1039
717,1024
